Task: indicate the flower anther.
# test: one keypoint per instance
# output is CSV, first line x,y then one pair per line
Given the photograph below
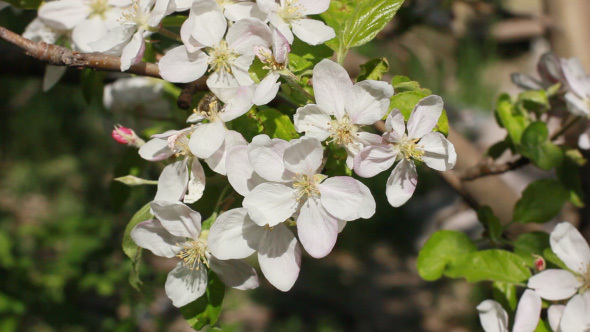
x,y
409,148
195,252
291,11
307,185
221,57
98,8
342,131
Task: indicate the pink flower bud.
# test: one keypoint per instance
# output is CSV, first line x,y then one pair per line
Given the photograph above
x,y
539,263
127,136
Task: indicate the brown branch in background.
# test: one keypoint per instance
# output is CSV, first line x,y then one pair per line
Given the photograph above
x,y
61,56
189,90
487,167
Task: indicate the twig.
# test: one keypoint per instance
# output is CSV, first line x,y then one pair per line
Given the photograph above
x,y
61,56
188,91
487,167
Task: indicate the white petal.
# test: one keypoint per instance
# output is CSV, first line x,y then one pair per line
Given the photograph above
x,y
395,123
151,235
280,257
368,205
217,161
173,181
267,160
177,65
368,102
209,24
246,33
492,316
313,7
304,155
239,104
331,85
439,152
575,76
268,6
221,79
186,30
196,184
184,285
528,312
241,10
88,31
240,173
234,235
583,140
571,247
207,138
155,149
53,74
313,32
575,315
554,314
133,52
341,197
114,41
182,5
270,203
401,183
312,120
177,218
267,89
282,26
64,14
425,116
240,67
576,105
374,159
281,47
235,273
317,229
554,284
161,8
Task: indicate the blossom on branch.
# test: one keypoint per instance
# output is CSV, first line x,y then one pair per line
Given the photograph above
x,y
572,317
494,318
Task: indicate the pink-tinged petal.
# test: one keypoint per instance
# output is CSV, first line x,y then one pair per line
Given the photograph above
x,y
576,105
575,315
64,14
280,257
241,10
281,46
331,85
209,24
304,155
184,285
313,121
267,159
367,139
575,76
234,235
235,273
368,205
151,235
207,138
246,33
554,284
267,90
240,173
374,159
277,22
316,228
177,218
173,181
180,66
313,32
584,139
439,152
492,316
155,149
395,124
196,183
313,7
528,312
526,82
217,160
571,247
554,314
401,183
133,52
88,31
271,203
341,197
368,102
52,75
425,116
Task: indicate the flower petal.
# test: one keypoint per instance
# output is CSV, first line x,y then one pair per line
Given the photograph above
x,y
173,181
554,314
235,273
234,235
267,159
133,51
178,65
267,89
492,316
151,235
368,102
395,124
304,155
64,14
207,138
368,205
217,160
374,159
209,24
314,121
196,183
341,197
571,247
401,183
439,152
313,7
155,149
240,173
528,312
241,10
177,218
280,257
184,285
313,32
424,116
576,105
316,228
553,284
575,315
583,140
270,203
246,33
331,85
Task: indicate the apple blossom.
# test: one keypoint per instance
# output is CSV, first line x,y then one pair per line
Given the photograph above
x,y
177,233
494,318
569,245
572,317
352,106
275,62
418,143
291,14
235,236
550,73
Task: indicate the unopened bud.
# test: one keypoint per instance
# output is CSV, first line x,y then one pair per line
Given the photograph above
x,y
539,263
131,180
127,136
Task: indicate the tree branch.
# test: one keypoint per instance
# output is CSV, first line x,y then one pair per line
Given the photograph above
x,y
61,56
188,91
487,167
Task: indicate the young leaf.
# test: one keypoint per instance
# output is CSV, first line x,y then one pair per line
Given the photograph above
x,y
403,84
491,222
568,173
130,248
307,56
442,248
531,243
536,146
540,201
510,118
276,124
534,101
206,309
494,265
373,69
406,101
369,17
505,294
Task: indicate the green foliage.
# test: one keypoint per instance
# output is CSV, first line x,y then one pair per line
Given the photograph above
x,y
568,173
336,163
505,294
173,20
534,101
373,69
531,243
25,4
493,265
130,248
543,326
304,56
406,102
206,309
276,124
441,250
491,222
510,118
403,84
540,201
552,258
496,150
536,146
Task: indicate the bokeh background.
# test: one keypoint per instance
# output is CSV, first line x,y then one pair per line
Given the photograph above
x,y
62,217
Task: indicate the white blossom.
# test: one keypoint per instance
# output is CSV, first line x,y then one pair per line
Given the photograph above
x,y
275,62
572,317
494,318
550,73
418,143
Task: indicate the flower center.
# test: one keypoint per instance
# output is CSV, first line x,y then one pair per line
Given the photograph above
x,y
221,57
178,143
194,253
343,132
585,279
98,8
136,16
209,108
291,11
267,59
223,3
410,149
307,185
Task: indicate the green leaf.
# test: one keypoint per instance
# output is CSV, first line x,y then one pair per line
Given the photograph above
x,y
25,4
336,17
568,173
536,146
552,258
494,265
510,118
406,101
534,101
496,150
373,69
304,56
442,248
247,125
206,309
403,84
442,126
131,249
491,223
173,20
368,18
336,163
505,294
276,124
540,201
531,243
298,63
543,326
